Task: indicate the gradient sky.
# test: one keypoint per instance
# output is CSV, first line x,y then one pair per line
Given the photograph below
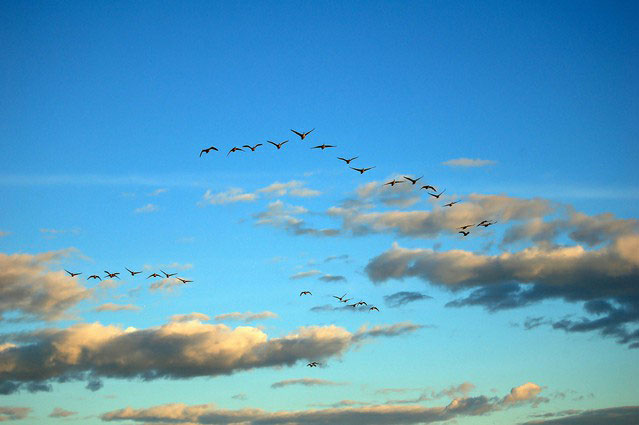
x,y
526,112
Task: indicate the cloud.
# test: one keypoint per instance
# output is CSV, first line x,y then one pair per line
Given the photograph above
x,y
247,317
146,209
283,216
61,413
201,317
332,278
454,391
399,299
307,382
178,413
402,195
468,162
527,392
304,275
292,188
626,415
116,307
13,413
177,350
52,233
158,192
30,290
240,396
343,257
231,196
602,278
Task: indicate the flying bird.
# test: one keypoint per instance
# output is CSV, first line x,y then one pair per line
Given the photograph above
x,y
72,274
323,146
94,276
373,308
277,145
347,161
362,303
346,300
481,223
207,150
361,170
393,182
111,275
305,293
339,298
429,187
183,280
132,272
252,148
437,195
413,181
487,223
154,275
167,274
353,305
465,227
302,135
464,233
450,204
234,149
312,364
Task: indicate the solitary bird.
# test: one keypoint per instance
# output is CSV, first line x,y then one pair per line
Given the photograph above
x,y
183,280
413,181
302,135
361,170
312,364
72,274
450,204
111,275
393,182
207,150
339,298
252,148
437,195
487,223
305,293
154,275
323,146
429,187
132,272
167,274
464,233
94,276
235,149
347,161
277,145
373,308
465,227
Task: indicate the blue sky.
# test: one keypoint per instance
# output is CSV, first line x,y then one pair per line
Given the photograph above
x,y
104,111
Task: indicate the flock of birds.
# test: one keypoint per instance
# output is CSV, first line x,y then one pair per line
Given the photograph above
x,y
116,275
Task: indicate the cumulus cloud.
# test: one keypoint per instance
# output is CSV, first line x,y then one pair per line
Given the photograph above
x,y
148,208
293,188
401,298
13,413
116,307
61,413
177,350
468,162
307,382
286,217
626,415
29,289
247,316
230,196
402,195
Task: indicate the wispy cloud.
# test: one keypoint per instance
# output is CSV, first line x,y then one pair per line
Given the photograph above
x,y
116,307
401,298
158,192
61,413
468,162
293,188
304,275
307,382
148,208
247,316
53,233
231,196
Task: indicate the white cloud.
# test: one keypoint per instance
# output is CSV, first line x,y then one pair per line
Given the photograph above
x,y
468,162
146,209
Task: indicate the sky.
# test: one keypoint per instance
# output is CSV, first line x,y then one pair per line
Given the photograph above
x,y
523,112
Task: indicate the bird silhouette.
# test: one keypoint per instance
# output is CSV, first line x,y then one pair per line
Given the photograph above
x,y
235,149
347,161
413,181
72,274
339,298
312,364
362,303
465,227
132,272
346,300
429,187
154,275
167,274
464,233
207,150
305,293
323,146
352,305
183,280
111,275
361,170
373,308
487,223
302,135
393,182
450,204
277,145
437,195
252,148
94,276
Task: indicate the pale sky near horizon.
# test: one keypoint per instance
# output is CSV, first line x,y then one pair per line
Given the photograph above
x,y
526,113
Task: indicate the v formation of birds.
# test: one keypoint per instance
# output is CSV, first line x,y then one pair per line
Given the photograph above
x,y
360,305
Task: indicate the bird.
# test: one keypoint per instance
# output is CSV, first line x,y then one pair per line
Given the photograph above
x,y
361,170
487,223
132,272
312,364
277,145
346,300
323,146
481,223
413,181
353,305
183,280
393,182
437,195
94,276
305,293
347,161
465,227
339,298
72,274
373,308
362,303
167,274
234,149
154,275
429,187
207,150
302,135
111,275
252,148
450,204
464,233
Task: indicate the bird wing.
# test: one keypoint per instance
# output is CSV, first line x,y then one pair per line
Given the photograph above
x,y
299,134
201,152
308,132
